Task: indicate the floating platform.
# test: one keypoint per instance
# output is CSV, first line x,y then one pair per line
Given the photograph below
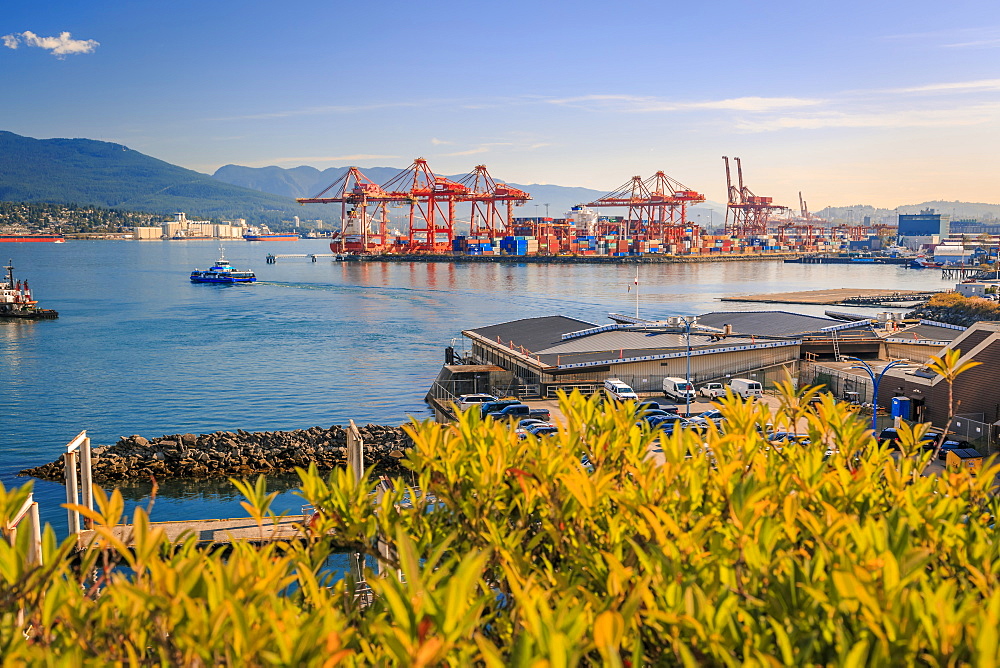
x,y
214,532
838,297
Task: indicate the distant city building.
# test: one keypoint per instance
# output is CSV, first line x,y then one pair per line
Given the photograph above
x,y
923,224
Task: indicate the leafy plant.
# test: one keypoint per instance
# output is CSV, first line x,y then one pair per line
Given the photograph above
x,y
682,549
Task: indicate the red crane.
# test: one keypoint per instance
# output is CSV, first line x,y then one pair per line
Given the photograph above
x,y
432,206
657,207
485,194
750,213
356,190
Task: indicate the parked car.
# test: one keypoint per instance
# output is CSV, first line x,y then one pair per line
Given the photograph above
x,y
668,421
950,445
712,390
519,411
647,405
678,389
616,389
466,401
890,436
647,415
544,429
712,414
491,406
788,436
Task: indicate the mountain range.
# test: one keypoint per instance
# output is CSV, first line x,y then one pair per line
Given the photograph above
x,y
105,174
97,173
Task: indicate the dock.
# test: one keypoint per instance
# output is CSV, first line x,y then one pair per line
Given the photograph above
x,y
213,532
839,297
272,258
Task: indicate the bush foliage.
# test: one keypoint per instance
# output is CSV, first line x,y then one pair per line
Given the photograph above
x,y
691,550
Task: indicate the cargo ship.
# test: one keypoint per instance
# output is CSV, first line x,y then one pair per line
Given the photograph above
x,y
264,234
27,236
16,300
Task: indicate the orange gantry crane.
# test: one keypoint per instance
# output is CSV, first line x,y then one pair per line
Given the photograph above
x,y
485,194
354,189
432,202
746,213
657,206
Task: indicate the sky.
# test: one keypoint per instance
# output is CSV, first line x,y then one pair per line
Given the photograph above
x,y
879,102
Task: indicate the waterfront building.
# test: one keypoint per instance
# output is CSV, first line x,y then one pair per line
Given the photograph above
x,y
923,224
975,395
543,355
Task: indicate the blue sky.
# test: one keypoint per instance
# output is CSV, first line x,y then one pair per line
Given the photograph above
x,y
884,103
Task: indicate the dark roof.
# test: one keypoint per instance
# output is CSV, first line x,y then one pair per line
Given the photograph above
x,y
767,323
533,333
928,333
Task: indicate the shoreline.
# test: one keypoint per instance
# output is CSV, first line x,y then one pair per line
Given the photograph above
x,y
240,453
574,259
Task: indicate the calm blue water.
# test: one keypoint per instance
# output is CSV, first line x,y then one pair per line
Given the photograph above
x,y
138,349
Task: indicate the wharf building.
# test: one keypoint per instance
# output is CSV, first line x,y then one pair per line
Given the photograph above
x,y
536,357
923,229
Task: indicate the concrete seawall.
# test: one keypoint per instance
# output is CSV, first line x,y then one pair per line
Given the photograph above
x,y
239,453
578,259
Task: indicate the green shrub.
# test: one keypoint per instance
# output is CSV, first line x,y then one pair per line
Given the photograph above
x,y
713,550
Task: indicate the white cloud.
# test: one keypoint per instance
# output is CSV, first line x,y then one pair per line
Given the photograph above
x,y
439,142
988,43
952,87
61,46
907,118
324,158
638,104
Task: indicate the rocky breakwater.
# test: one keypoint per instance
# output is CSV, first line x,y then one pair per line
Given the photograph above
x,y
239,453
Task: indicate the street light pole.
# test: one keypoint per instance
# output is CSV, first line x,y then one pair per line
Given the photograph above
x,y
875,382
688,321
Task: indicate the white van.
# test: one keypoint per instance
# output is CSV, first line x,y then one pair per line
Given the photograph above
x,y
678,389
619,390
746,388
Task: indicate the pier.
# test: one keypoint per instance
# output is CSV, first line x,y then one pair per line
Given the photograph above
x,y
838,297
78,468
272,258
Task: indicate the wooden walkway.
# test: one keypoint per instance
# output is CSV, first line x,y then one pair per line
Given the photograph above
x,y
218,532
835,296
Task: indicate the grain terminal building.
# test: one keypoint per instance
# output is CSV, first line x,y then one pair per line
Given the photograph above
x,y
539,356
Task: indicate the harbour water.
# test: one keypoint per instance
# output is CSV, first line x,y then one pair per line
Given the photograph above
x,y
138,349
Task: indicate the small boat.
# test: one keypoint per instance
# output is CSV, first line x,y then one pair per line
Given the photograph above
x,y
924,263
16,300
222,272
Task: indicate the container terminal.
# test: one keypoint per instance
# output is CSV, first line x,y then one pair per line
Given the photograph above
x,y
473,215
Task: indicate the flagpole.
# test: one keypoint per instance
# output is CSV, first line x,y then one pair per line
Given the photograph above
x,y
636,291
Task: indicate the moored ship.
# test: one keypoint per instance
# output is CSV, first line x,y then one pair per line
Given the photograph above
x,y
264,234
16,300
29,236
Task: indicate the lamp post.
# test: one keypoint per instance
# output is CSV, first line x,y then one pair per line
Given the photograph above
x,y
688,321
876,379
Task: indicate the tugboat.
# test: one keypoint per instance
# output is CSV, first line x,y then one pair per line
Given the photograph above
x,y
222,272
16,301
